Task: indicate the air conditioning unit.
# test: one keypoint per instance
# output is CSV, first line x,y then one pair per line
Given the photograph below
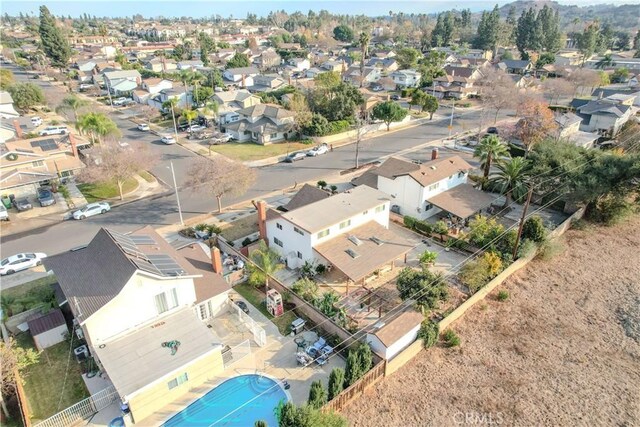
x,y
82,353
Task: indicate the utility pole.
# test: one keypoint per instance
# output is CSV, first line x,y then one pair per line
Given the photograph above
x,y
175,187
453,109
175,127
524,215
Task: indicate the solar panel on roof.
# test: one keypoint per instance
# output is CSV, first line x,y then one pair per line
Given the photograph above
x,y
142,239
145,266
45,144
167,265
127,245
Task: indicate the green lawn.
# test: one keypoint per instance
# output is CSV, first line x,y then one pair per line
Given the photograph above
x,y
19,291
256,298
43,380
147,176
248,151
103,191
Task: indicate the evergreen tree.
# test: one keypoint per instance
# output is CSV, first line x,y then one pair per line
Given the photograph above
x,y
54,43
352,369
336,382
588,41
317,395
442,34
636,45
488,30
548,24
524,32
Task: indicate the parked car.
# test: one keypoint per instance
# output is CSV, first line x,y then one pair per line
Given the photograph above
x,y
195,128
4,215
182,127
395,97
20,262
377,88
299,155
243,306
54,130
46,197
318,150
36,121
84,86
22,204
492,130
92,209
119,101
143,127
168,139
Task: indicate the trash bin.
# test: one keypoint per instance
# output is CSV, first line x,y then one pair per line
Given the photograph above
x,y
297,325
6,202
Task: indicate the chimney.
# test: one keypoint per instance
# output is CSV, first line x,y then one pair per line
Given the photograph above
x,y
216,260
261,207
434,154
600,95
74,145
16,126
244,80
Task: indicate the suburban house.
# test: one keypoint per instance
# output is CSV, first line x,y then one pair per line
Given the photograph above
x,y
178,92
25,163
86,65
387,65
426,189
369,75
333,65
6,105
348,231
160,64
243,75
312,72
151,86
298,64
393,336
406,78
458,82
627,96
266,83
569,130
122,82
512,66
603,116
193,64
143,306
261,123
268,59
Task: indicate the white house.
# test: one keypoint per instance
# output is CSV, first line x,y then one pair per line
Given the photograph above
x,y
190,65
243,75
260,123
151,86
121,82
298,64
142,305
392,337
368,76
348,231
406,78
6,106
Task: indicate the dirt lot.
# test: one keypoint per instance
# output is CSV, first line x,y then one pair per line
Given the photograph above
x,y
563,350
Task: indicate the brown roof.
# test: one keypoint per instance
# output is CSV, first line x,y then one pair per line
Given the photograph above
x,y
306,195
211,283
425,174
45,323
152,81
463,200
398,327
370,255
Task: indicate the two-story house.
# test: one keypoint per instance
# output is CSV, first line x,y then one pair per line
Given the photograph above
x,y
268,59
151,86
183,96
348,231
141,305
243,76
458,82
122,82
569,130
604,116
160,64
296,65
369,75
406,78
266,83
426,189
231,101
261,123
386,65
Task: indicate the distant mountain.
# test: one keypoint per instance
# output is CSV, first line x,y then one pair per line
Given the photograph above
x,y
626,16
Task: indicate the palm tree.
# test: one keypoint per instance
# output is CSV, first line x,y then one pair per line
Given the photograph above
x,y
171,104
73,104
511,178
490,148
189,116
7,302
364,46
266,262
97,125
211,108
605,62
186,77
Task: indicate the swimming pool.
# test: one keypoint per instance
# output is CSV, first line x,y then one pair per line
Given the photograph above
x,y
231,404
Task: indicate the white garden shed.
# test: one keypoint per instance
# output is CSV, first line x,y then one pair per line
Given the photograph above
x,y
48,329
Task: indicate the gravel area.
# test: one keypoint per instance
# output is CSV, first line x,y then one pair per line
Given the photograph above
x,y
563,350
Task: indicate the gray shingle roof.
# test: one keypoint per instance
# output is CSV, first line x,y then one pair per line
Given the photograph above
x,y
604,107
306,195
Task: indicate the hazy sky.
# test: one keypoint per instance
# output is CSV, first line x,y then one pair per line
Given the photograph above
x,y
240,8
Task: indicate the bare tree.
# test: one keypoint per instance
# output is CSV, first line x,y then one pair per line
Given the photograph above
x,y
361,130
115,163
554,89
497,90
147,112
582,78
220,177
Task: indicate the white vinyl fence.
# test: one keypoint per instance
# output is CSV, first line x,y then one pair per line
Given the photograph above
x,y
236,353
82,410
259,335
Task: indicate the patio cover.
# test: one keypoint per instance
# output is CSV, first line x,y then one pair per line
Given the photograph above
x,y
137,359
370,255
462,201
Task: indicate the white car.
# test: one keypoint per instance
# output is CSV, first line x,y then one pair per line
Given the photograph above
x,y
54,130
168,139
20,262
120,101
92,209
195,128
36,121
316,151
143,127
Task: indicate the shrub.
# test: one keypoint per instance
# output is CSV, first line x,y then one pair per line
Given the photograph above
x,y
424,227
533,229
365,358
441,228
428,333
428,258
409,222
450,338
336,382
260,423
352,368
484,230
337,127
306,141
322,184
317,395
425,287
550,248
334,188
610,210
527,247
306,288
318,126
503,296
477,273
404,93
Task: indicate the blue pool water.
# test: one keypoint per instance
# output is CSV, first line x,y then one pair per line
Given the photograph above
x,y
232,403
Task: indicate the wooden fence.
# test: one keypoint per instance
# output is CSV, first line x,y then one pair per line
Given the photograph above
x,y
359,387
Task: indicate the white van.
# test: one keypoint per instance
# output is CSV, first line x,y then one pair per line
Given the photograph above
x,y
54,130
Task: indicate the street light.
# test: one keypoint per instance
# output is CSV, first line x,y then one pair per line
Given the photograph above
x,y
175,187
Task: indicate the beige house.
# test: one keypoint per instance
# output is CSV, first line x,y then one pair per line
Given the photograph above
x,y
262,123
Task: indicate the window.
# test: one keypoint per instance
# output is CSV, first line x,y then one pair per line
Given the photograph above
x,y
177,381
278,242
345,224
428,206
202,311
278,226
166,300
433,186
273,136
37,163
323,233
297,230
381,208
300,255
461,174
365,212
451,177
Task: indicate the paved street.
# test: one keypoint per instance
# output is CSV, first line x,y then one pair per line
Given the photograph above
x,y
161,210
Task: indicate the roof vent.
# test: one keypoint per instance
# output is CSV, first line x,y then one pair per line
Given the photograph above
x,y
353,254
377,241
355,240
433,168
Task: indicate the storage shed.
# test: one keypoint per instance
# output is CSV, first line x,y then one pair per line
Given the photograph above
x,y
395,336
48,330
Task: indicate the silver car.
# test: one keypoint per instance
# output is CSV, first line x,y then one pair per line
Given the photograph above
x,y
92,209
